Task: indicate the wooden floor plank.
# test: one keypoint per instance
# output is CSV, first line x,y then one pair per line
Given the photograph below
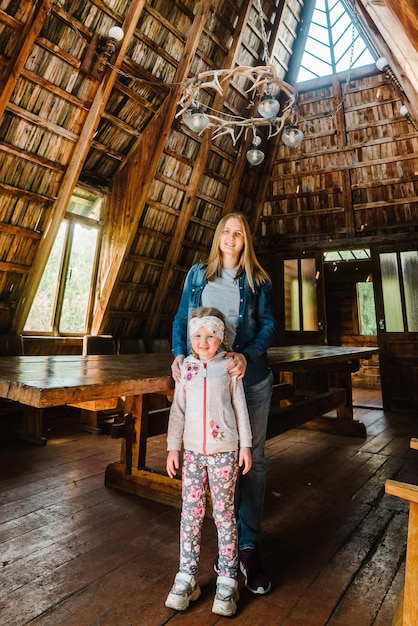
x,y
387,610
318,601
363,598
75,553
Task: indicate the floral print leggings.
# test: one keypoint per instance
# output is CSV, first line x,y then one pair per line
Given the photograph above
x,y
220,471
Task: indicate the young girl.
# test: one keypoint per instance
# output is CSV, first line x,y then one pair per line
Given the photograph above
x,y
209,417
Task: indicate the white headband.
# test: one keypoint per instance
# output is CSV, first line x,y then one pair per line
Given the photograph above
x,y
212,324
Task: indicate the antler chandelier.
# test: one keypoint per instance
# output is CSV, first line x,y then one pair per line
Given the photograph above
x,y
264,80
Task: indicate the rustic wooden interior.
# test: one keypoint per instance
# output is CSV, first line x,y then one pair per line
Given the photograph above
x,y
351,185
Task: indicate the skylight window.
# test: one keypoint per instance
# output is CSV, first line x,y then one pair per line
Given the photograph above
x,y
346,255
334,43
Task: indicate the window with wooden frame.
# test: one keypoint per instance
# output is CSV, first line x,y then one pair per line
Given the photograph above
x,y
400,290
64,300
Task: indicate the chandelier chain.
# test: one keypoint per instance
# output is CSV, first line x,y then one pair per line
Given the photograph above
x,y
266,52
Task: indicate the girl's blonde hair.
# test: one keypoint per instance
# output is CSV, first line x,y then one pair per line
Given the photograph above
x,y
248,262
203,311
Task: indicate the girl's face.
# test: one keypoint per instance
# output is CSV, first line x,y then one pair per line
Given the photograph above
x,y
204,343
232,239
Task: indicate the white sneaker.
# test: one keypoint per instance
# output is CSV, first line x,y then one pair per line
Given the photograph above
x,y
226,597
185,588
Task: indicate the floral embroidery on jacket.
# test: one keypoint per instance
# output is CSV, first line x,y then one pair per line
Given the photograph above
x,y
192,370
217,433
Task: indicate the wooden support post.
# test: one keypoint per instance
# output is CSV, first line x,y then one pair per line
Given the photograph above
x,y
410,597
32,426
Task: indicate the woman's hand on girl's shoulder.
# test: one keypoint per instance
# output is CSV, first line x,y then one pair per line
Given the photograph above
x,y
237,365
176,367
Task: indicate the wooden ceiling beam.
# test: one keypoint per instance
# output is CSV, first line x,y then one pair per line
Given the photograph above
x,y
57,91
40,122
23,194
12,229
112,154
193,189
72,173
14,267
30,156
391,38
131,184
22,50
10,21
115,121
241,160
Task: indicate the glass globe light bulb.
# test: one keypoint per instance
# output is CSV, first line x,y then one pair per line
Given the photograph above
x,y
255,156
403,110
116,33
268,106
196,120
292,136
381,63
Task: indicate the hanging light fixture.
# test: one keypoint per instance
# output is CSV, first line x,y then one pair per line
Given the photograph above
x,y
265,86
382,65
268,106
99,53
255,156
292,136
403,110
116,33
195,119
272,116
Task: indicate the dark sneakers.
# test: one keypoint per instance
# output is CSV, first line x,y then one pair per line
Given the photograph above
x,y
256,579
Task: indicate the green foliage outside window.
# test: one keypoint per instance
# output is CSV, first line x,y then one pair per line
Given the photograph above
x,y
366,309
63,301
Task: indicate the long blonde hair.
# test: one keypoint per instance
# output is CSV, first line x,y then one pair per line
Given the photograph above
x,y
248,262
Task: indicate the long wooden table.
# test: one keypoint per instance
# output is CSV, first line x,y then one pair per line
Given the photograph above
x,y
334,364
95,382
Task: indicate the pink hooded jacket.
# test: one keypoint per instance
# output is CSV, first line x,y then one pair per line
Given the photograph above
x,y
209,411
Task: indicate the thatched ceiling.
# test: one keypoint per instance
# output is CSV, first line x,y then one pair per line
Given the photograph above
x,y
165,187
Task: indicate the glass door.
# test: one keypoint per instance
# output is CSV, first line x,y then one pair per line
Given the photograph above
x,y
302,301
396,292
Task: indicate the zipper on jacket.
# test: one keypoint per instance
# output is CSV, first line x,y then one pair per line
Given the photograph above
x,y
204,405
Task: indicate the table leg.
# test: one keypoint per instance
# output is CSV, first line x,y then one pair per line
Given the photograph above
x,y
131,474
343,379
334,393
32,426
344,423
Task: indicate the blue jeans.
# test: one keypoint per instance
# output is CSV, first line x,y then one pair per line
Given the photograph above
x,y
251,487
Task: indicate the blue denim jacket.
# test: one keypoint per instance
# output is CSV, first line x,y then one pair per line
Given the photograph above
x,y
256,322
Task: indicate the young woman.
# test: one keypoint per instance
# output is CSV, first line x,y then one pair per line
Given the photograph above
x,y
209,418
233,280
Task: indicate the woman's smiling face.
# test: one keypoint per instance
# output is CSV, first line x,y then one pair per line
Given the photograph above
x,y
232,239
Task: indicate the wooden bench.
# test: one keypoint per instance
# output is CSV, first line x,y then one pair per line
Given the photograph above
x,y
300,410
406,613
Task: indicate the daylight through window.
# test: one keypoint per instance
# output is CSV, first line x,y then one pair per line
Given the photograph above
x,y
64,301
334,44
